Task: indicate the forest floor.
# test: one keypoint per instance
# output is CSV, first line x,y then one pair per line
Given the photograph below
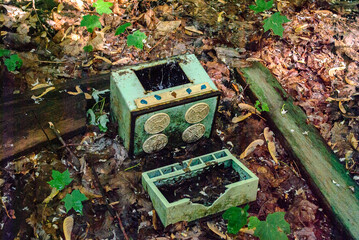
x,y
316,61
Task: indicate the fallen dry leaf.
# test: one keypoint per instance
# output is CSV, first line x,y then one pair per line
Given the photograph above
x,y
42,94
251,147
341,107
247,231
88,193
241,118
268,135
193,29
244,106
103,58
78,89
67,227
353,141
335,69
164,27
41,85
330,99
216,230
351,82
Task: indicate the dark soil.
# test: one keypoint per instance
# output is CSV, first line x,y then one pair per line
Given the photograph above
x,y
204,188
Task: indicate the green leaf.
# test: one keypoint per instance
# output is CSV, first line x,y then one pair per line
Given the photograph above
x,y
275,227
74,200
95,94
265,107
121,29
4,52
237,218
257,106
60,180
92,116
253,222
90,22
88,48
261,106
136,39
261,6
13,63
102,122
102,7
275,22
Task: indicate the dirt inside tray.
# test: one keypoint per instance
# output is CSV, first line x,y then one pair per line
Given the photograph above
x,y
162,76
204,188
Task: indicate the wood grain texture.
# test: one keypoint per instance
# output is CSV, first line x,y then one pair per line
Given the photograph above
x,y
23,123
320,165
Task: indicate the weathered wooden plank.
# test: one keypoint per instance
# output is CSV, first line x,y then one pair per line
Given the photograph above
x,y
317,160
23,123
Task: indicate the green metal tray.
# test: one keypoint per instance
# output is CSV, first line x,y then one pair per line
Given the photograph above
x,y
237,193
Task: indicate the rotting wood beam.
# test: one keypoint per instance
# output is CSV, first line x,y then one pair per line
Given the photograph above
x,y
24,124
326,175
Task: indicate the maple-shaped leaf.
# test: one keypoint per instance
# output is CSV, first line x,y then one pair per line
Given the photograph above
x,y
136,39
275,227
74,200
88,48
102,7
275,22
60,180
13,63
4,52
90,22
261,6
121,29
237,218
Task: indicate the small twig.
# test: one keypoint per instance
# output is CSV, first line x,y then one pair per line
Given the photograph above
x,y
121,226
108,204
123,49
50,62
129,168
37,16
77,163
189,163
7,213
158,43
42,129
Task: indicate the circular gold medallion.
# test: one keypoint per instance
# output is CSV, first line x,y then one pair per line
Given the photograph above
x,y
157,123
155,143
193,133
197,113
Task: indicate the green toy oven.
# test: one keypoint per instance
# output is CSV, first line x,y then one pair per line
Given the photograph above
x,y
166,103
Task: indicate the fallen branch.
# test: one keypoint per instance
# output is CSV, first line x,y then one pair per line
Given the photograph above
x,y
108,205
74,157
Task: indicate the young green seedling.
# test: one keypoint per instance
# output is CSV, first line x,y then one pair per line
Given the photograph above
x,y
60,180
91,22
261,6
275,23
96,113
274,227
237,218
261,107
74,200
102,7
